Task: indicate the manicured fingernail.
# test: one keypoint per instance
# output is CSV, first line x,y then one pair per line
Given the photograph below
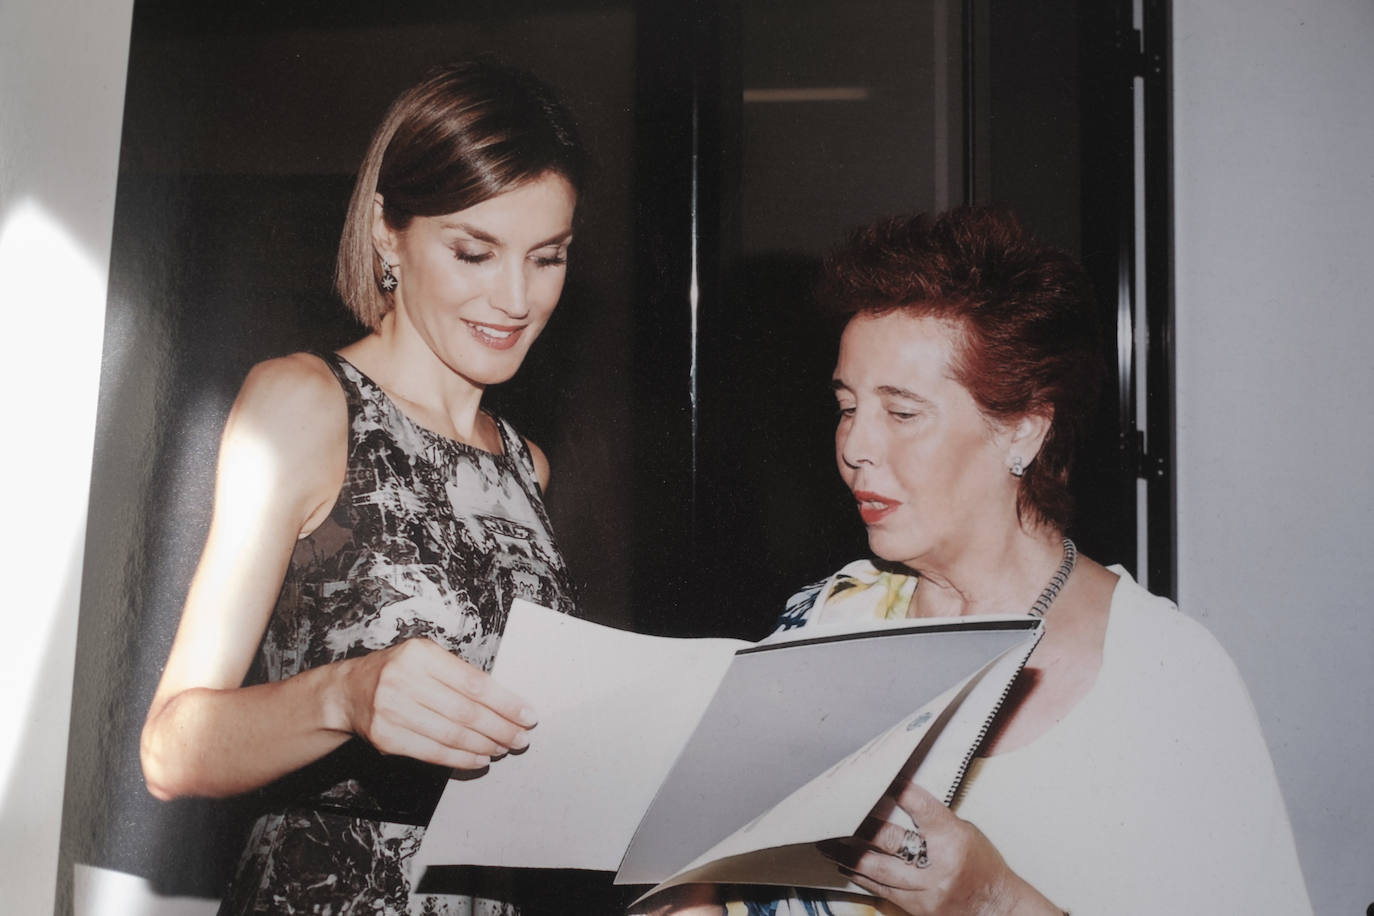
x,y
528,717
521,741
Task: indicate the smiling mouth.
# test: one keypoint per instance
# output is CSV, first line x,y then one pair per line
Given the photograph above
x,y
874,507
495,336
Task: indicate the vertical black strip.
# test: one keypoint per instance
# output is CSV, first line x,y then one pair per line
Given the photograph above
x,y
661,359
723,549
1160,468
1105,473
686,126
970,71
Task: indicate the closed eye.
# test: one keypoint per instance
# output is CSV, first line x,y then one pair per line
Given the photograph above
x,y
472,257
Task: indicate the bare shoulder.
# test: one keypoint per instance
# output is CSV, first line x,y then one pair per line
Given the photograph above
x,y
541,464
294,401
1097,586
1064,666
288,429
1077,623
300,381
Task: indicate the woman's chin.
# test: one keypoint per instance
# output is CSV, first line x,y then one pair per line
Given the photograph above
x,y
889,552
485,372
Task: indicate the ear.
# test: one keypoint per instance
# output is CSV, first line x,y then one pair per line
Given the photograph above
x,y
1027,435
384,238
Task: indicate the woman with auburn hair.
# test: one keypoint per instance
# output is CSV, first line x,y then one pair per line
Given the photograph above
x,y
373,522
1126,772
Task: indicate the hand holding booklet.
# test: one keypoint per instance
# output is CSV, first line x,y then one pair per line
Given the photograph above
x,y
673,761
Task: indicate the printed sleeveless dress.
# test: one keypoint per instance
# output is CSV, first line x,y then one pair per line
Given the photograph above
x,y
428,537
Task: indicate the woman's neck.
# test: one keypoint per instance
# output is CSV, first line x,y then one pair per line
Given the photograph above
x,y
1001,574
426,388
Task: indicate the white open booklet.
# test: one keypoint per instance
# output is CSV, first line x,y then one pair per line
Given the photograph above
x,y
709,760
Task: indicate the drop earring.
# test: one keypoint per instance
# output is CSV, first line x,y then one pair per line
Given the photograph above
x,y
388,283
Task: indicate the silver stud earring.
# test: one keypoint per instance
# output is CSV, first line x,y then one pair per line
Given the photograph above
x,y
1018,468
388,281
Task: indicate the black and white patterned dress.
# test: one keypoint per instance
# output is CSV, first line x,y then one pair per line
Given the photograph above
x,y
428,537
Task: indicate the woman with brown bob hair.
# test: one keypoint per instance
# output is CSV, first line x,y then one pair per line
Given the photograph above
x,y
1126,772
372,522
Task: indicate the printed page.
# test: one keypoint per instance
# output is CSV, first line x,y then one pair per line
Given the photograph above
x,y
787,712
615,708
778,847
939,768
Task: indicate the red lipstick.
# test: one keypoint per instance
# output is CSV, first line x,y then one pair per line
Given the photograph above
x,y
874,507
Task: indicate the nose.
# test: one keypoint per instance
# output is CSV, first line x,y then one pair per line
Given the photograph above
x,y
510,291
856,440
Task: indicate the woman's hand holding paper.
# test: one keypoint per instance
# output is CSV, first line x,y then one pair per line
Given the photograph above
x,y
419,700
945,866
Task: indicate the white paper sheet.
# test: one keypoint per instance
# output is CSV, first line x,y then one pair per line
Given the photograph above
x,y
661,756
614,707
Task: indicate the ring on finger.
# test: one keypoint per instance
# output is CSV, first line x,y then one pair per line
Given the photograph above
x,y
913,849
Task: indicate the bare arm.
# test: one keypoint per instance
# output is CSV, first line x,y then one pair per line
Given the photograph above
x,y
281,465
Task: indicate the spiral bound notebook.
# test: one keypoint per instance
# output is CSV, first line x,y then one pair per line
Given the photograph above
x,y
688,760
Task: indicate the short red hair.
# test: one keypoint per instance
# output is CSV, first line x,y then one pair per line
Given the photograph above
x,y
1025,311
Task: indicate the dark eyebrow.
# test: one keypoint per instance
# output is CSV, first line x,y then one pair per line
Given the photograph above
x,y
473,231
482,236
896,392
837,385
